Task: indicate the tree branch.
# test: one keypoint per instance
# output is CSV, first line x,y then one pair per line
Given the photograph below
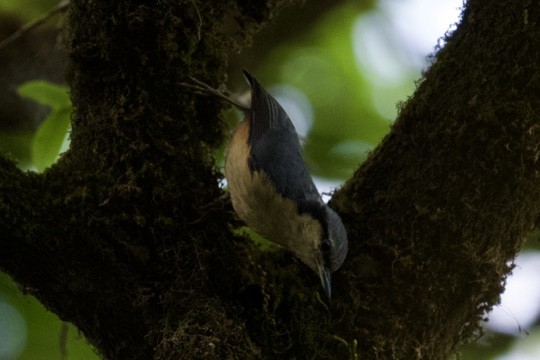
x,y
445,201
118,240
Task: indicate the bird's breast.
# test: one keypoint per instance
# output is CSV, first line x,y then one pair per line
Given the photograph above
x,y
257,202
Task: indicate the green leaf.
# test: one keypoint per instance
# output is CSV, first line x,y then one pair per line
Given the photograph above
x,y
49,138
51,134
46,93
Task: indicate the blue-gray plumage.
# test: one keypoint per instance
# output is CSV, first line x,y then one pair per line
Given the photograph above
x,y
275,148
272,191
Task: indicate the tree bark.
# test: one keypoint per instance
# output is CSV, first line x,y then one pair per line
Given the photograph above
x,y
127,236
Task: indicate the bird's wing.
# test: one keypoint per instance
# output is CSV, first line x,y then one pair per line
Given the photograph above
x,y
275,148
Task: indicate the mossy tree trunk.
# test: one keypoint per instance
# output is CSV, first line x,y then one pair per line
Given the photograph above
x,y
127,238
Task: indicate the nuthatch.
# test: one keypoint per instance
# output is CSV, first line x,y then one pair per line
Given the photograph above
x,y
272,191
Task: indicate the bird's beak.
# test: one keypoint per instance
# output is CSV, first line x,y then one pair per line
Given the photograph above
x,y
326,280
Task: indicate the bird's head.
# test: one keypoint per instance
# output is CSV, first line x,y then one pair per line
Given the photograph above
x,y
327,241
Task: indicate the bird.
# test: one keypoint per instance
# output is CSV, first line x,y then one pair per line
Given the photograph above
x,y
272,190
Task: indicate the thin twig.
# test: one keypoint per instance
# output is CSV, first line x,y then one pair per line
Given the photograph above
x,y
61,6
206,89
63,340
199,25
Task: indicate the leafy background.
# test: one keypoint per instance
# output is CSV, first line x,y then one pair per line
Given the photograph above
x,y
339,70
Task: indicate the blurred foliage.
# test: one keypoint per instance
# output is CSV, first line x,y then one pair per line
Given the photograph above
x,y
42,330
18,146
322,65
523,346
489,346
527,346
27,10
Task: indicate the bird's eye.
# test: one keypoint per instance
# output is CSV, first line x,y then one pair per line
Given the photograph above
x,y
325,245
